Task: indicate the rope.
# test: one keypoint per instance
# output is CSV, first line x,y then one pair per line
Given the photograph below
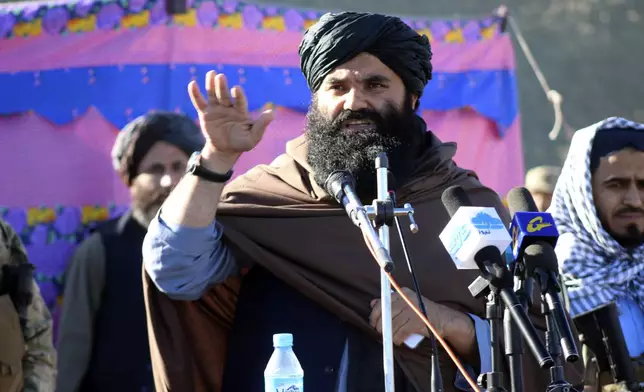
x,y
553,96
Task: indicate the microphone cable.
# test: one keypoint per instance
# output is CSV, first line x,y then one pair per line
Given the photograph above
x,y
429,325
422,315
437,378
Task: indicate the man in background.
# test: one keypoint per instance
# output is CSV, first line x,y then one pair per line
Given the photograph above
x,y
540,181
27,354
599,209
103,338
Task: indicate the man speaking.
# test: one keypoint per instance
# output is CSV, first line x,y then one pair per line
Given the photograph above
x,y
309,271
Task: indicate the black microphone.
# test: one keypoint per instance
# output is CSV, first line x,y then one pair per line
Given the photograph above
x,y
454,198
541,262
537,231
341,186
520,200
528,224
493,269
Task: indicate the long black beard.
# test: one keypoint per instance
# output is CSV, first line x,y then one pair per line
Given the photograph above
x,y
330,148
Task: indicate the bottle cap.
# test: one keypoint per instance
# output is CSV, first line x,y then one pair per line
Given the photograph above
x,y
282,340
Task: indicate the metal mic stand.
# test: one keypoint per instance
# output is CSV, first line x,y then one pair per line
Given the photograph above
x,y
436,377
382,214
491,381
558,382
512,334
496,277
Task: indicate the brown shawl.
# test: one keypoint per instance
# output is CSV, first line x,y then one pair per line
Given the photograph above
x,y
275,215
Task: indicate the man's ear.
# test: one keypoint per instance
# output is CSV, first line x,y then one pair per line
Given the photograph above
x,y
415,102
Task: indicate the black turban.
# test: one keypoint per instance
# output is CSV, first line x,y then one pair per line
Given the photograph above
x,y
611,140
138,136
337,38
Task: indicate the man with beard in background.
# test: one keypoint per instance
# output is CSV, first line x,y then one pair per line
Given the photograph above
x,y
598,205
103,344
309,271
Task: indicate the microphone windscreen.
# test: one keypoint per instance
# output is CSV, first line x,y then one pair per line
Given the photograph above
x,y
520,200
454,198
336,180
540,255
489,253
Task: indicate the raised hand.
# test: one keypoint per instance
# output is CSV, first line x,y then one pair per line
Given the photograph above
x,y
224,118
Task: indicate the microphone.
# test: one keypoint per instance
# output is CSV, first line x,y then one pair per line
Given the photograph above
x,y
541,262
520,201
476,236
528,225
341,185
470,229
537,231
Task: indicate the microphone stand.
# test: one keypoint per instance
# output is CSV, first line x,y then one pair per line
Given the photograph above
x,y
436,377
495,280
382,213
491,381
341,185
558,382
512,334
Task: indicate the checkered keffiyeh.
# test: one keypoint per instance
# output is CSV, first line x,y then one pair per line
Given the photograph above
x,y
595,268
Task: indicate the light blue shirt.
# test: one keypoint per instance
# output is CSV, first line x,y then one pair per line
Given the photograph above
x,y
631,319
183,262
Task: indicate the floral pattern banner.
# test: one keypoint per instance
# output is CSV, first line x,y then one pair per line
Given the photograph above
x,y
35,19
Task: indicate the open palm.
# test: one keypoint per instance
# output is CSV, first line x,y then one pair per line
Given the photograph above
x,y
224,118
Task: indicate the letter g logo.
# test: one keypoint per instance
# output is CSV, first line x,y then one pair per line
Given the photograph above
x,y
536,224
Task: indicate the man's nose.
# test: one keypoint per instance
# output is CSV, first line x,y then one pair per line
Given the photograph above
x,y
354,100
168,180
633,196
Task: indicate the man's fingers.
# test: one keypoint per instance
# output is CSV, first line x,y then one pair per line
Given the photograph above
x,y
241,103
376,315
409,293
399,337
198,101
401,325
374,318
396,313
221,91
260,125
395,297
210,87
405,325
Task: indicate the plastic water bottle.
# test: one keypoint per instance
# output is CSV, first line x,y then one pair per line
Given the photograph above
x,y
283,372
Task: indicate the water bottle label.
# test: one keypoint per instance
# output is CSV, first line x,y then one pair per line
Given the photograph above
x,y
284,384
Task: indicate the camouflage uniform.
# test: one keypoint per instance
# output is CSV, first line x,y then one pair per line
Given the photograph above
x,y
27,359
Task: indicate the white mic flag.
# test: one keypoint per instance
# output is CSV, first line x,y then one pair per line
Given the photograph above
x,y
470,230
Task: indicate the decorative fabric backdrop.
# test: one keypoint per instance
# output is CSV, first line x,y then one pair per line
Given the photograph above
x,y
132,57
73,73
